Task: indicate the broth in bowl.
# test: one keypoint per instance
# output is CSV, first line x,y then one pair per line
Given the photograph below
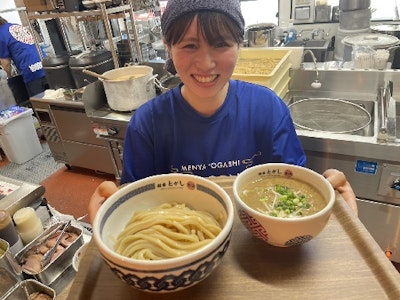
x,y
282,197
296,203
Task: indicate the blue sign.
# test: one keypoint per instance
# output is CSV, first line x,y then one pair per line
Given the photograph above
x,y
366,167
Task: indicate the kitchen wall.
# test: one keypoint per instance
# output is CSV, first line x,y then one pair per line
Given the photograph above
x,y
12,16
266,12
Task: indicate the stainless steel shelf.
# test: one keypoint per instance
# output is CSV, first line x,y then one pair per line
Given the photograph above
x,y
105,13
90,13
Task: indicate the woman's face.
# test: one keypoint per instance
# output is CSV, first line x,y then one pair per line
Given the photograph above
x,y
203,68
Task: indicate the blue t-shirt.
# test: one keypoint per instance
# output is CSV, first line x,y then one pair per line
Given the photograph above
x,y
17,43
253,126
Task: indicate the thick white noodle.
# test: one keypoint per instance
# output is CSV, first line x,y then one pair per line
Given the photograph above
x,y
170,230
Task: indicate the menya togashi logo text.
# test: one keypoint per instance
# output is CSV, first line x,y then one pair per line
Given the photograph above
x,y
248,162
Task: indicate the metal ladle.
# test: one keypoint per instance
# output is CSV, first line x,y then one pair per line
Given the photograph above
x,y
94,74
122,78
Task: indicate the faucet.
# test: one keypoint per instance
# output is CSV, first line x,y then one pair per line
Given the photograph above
x,y
316,84
387,111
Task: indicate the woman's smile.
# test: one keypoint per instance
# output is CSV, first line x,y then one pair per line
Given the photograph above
x,y
205,78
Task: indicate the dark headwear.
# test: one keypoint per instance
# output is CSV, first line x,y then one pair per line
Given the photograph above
x,y
177,8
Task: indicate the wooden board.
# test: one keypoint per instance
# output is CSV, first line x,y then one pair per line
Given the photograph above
x,y
343,262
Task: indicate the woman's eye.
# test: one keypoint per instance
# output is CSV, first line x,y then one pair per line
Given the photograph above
x,y
221,44
189,46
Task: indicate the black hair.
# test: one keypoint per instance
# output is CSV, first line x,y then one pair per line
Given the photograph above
x,y
3,21
213,26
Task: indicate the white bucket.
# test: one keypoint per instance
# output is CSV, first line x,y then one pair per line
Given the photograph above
x,y
127,94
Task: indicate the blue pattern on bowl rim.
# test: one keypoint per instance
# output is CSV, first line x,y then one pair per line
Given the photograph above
x,y
190,275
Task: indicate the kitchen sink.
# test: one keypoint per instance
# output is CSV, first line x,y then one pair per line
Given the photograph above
x,y
368,105
318,47
323,44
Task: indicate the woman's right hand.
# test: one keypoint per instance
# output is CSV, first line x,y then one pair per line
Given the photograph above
x,y
102,192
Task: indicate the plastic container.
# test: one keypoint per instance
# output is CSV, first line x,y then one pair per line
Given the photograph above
x,y
264,66
18,137
381,58
28,224
363,57
292,33
9,233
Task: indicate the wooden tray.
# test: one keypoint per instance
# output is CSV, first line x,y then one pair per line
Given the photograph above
x,y
343,262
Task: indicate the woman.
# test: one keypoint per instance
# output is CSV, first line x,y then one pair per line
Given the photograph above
x,y
209,125
18,46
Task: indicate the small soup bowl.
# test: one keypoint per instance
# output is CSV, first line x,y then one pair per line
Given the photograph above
x,y
274,229
167,274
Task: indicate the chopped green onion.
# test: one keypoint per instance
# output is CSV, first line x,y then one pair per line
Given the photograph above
x,y
286,203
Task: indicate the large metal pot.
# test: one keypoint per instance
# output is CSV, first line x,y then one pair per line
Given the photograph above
x,y
373,40
58,72
346,5
125,93
167,82
392,29
355,19
261,35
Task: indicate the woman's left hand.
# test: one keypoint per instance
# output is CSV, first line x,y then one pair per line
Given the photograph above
x,y
102,192
340,183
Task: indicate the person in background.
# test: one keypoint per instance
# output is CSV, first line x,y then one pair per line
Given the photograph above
x,y
209,125
17,46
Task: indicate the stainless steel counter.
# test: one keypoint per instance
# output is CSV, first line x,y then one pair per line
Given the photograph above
x,y
371,166
70,134
19,195
108,125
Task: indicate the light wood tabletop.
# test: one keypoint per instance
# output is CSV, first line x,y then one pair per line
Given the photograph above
x,y
343,262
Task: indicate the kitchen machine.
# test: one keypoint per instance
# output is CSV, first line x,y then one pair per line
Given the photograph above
x,y
108,125
303,11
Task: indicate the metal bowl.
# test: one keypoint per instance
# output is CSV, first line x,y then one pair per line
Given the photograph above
x,y
55,268
329,115
89,4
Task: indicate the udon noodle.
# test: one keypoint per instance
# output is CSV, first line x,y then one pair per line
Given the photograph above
x,y
167,231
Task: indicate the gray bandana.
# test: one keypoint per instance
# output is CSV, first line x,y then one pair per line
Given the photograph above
x,y
177,8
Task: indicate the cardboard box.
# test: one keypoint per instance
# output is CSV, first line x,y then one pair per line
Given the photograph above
x,y
40,5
